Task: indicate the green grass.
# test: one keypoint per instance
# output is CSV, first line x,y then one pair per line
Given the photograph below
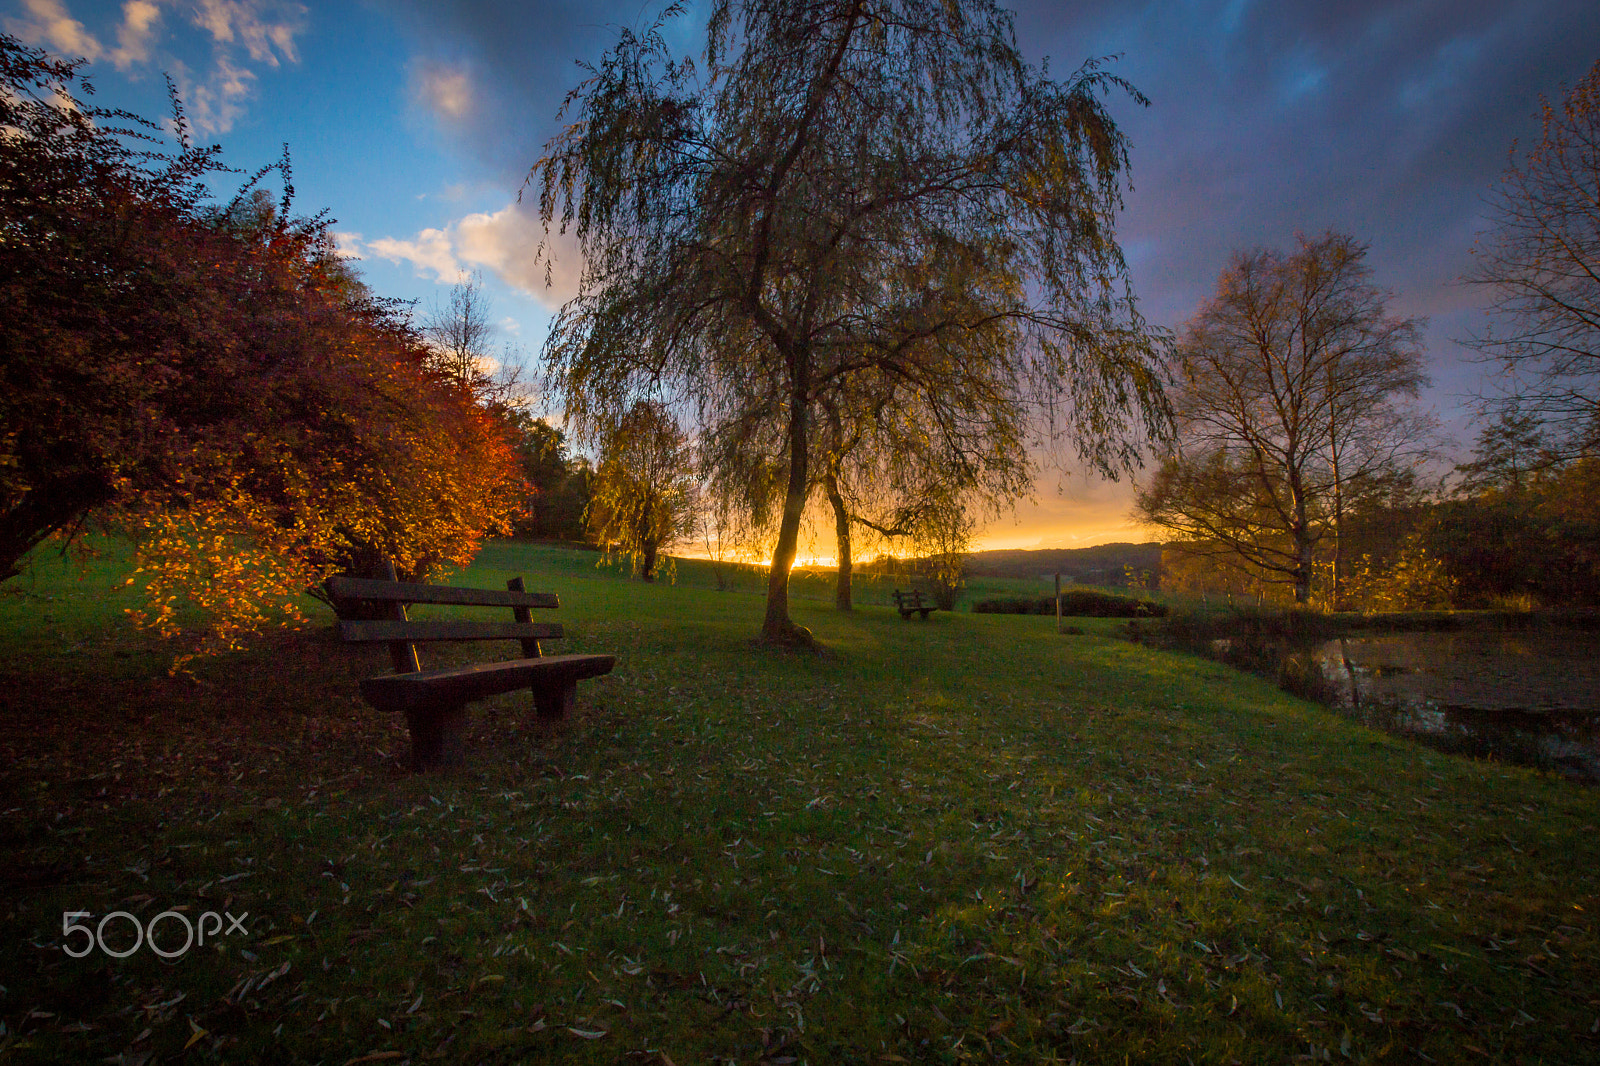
x,y
969,839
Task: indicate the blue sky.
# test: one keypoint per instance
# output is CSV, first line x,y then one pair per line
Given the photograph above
x,y
413,124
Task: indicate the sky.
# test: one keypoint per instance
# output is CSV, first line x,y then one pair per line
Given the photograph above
x,y
413,124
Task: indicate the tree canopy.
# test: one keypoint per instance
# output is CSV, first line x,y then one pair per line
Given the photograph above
x,y
557,484
871,199
643,489
1292,398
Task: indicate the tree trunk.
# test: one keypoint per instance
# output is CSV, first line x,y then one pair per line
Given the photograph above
x,y
1302,572
776,627
1334,600
841,530
1303,545
647,568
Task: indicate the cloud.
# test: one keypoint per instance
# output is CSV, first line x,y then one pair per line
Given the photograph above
x,y
445,90
237,35
1385,120
137,34
215,104
48,22
507,243
346,245
521,55
1389,122
430,252
265,30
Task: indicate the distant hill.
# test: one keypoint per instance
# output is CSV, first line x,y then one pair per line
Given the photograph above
x,y
1101,565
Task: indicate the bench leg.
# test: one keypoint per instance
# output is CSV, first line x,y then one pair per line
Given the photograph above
x,y
436,736
554,704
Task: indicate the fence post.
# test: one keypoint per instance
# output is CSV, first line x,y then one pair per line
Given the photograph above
x,y
1058,601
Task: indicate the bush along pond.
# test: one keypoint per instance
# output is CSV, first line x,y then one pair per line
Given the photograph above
x,y
1520,688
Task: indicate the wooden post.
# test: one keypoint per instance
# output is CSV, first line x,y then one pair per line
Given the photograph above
x,y
554,704
530,647
402,653
1058,601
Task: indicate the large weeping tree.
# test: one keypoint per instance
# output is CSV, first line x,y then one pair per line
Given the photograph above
x,y
871,202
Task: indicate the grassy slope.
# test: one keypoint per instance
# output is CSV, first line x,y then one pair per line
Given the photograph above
x,y
969,839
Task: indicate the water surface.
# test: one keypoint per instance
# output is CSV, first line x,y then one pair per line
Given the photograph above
x,y
1529,697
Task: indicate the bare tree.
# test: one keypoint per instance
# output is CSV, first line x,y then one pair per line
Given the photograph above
x,y
1543,262
1295,393
873,192
461,334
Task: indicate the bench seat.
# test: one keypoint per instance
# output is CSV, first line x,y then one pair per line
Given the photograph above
x,y
548,674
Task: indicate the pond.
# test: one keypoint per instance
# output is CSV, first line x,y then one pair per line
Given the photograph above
x,y
1530,697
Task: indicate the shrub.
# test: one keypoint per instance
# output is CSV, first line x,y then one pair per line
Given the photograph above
x,y
1076,603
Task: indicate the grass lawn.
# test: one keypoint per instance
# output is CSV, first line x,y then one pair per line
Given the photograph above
x,y
969,839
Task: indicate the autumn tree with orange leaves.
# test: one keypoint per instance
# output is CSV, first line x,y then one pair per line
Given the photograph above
x,y
212,380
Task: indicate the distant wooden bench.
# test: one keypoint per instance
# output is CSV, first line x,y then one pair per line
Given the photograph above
x,y
910,603
434,701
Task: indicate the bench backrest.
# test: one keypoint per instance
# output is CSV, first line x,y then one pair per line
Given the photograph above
x,y
901,598
402,635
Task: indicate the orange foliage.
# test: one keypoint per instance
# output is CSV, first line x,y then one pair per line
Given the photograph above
x,y
212,379
382,459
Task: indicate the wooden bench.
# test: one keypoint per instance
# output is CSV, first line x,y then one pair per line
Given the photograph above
x,y
434,701
910,603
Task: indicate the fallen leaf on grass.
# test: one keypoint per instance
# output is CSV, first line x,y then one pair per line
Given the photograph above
x,y
375,1056
587,1034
